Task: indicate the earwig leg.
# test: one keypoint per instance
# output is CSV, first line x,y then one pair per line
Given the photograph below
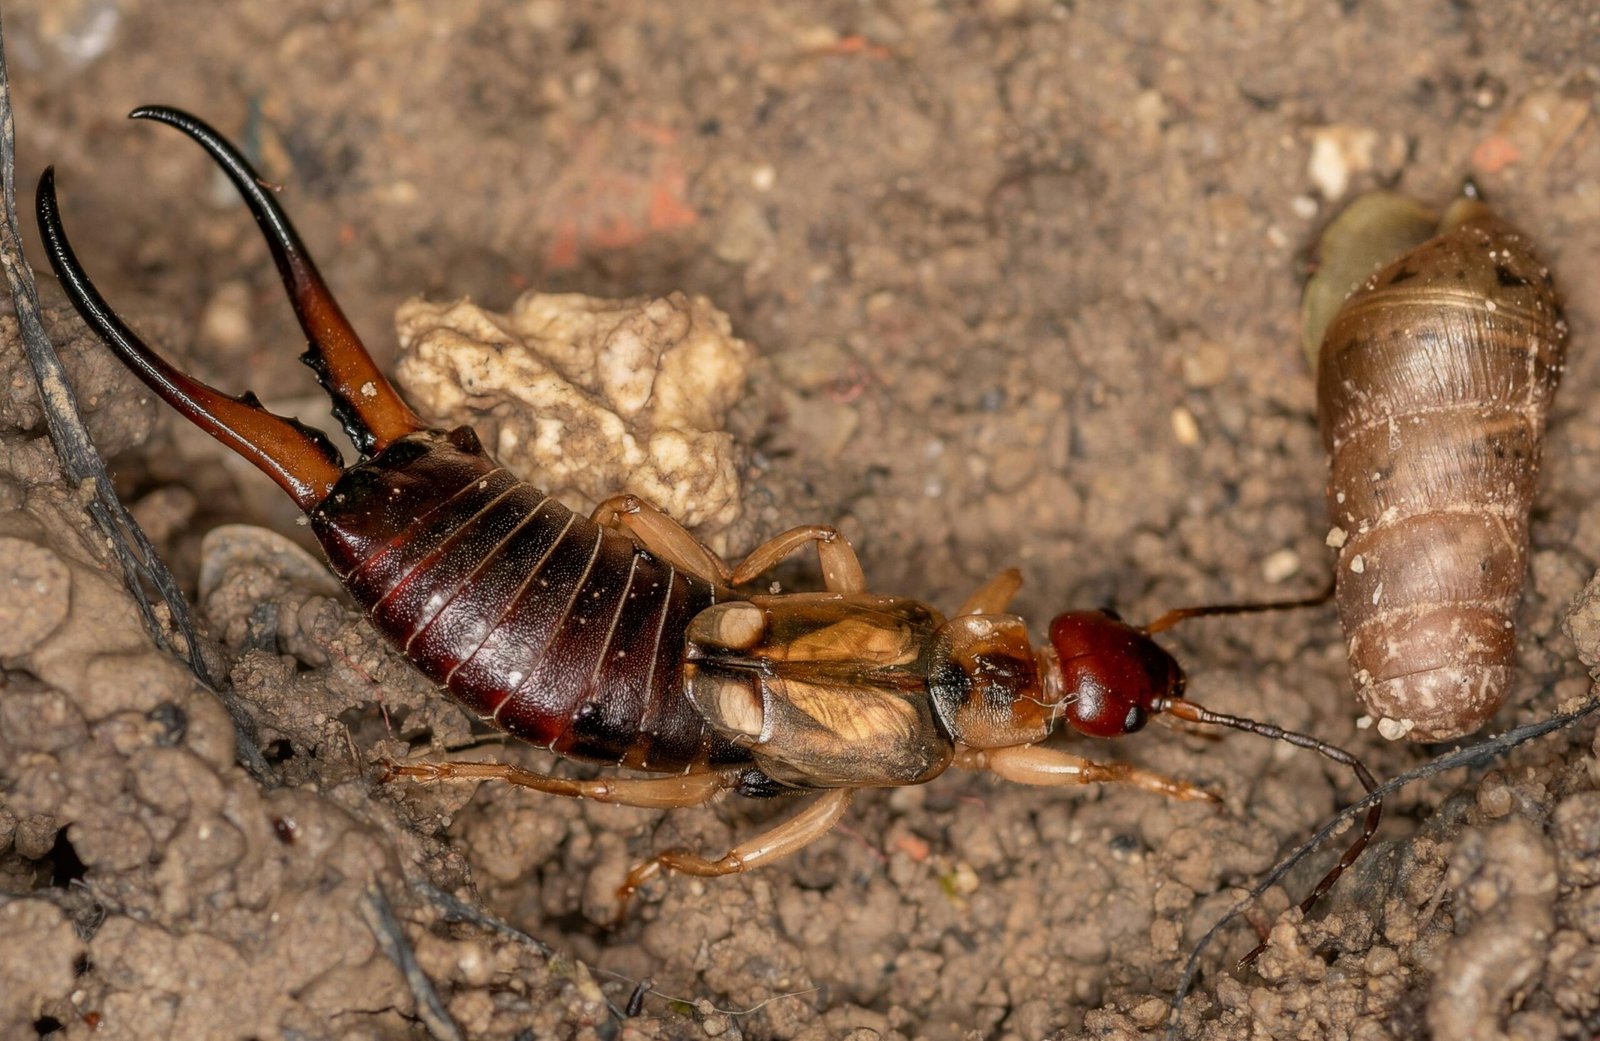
x,y
993,596
300,459
663,536
661,793
1032,764
841,571
370,409
794,834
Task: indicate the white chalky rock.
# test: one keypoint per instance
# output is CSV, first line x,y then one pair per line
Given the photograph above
x,y
586,397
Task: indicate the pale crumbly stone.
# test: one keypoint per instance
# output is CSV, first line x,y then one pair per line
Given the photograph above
x,y
587,397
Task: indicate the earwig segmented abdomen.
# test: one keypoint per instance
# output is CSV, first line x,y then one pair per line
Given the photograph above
x,y
547,625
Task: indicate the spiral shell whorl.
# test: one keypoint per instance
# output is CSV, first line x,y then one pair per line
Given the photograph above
x,y
1434,380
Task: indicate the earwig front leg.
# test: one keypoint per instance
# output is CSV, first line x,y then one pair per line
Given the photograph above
x,y
659,793
994,595
1032,764
663,536
841,570
791,836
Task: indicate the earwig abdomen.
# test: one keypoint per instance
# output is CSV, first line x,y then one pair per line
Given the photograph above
x,y
552,628
1434,380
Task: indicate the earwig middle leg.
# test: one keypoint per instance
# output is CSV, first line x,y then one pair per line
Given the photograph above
x,y
1048,767
841,569
666,538
791,836
663,536
660,793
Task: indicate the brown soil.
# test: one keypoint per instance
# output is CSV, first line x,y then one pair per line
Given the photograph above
x,y
1022,281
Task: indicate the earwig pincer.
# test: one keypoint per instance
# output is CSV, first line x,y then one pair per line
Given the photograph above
x,y
621,639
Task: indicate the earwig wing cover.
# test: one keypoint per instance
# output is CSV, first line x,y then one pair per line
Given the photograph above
x,y
1434,381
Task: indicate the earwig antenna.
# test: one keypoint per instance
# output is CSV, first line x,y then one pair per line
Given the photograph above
x,y
1171,618
1114,678
1192,712
1476,755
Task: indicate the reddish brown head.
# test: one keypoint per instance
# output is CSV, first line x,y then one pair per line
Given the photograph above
x,y
1113,676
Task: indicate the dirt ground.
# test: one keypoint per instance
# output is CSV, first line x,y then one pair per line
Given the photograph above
x,y
1021,280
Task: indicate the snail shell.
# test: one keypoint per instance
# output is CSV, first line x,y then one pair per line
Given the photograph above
x,y
1434,378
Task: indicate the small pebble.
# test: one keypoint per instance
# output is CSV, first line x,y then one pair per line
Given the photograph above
x,y
1184,427
1149,1013
1280,566
1338,152
1395,729
225,323
1206,365
1494,799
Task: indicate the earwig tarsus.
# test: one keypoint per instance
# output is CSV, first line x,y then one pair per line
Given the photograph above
x,y
623,640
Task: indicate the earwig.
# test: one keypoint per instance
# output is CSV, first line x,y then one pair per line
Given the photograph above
x,y
1433,383
620,639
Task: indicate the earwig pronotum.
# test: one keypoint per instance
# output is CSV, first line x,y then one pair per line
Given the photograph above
x,y
1434,378
623,640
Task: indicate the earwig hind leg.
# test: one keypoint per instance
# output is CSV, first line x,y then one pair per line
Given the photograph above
x,y
663,536
365,403
841,570
1048,767
994,595
791,836
659,793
